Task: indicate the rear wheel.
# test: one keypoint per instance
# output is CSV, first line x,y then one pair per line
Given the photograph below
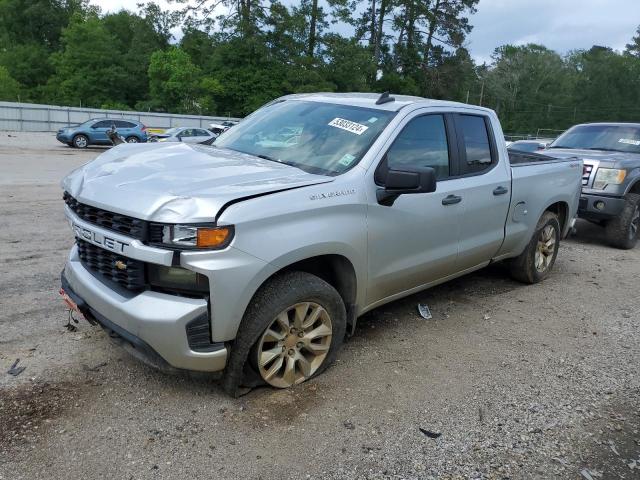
x,y
535,263
80,141
132,139
622,231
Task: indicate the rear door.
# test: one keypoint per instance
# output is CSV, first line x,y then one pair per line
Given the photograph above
x,y
486,191
200,135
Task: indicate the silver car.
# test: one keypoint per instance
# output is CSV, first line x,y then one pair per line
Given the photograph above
x,y
185,134
258,258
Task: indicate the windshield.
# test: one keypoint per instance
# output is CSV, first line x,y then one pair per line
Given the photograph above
x,y
615,138
322,138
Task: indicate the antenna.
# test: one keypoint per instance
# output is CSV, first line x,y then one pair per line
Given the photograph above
x,y
385,98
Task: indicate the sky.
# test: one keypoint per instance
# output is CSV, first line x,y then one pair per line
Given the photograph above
x,y
561,25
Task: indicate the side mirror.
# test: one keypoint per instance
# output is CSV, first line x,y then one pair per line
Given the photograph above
x,y
402,182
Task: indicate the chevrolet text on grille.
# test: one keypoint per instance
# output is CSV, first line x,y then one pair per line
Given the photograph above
x,y
99,239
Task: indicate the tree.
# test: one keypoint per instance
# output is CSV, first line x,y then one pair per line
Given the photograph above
x,y
88,76
174,81
9,87
633,48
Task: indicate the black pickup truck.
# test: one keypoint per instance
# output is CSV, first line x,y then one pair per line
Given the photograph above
x,y
611,176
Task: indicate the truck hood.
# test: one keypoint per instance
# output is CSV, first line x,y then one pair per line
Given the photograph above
x,y
597,157
179,182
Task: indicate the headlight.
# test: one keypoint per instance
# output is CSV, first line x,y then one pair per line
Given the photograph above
x,y
195,236
177,278
609,176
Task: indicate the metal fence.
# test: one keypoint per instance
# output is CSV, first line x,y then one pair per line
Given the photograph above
x,y
30,117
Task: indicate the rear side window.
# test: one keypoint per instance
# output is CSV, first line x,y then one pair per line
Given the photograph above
x,y
421,143
202,133
102,124
475,145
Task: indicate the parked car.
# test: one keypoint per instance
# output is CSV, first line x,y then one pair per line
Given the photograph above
x,y
218,128
611,179
258,259
530,145
94,132
184,134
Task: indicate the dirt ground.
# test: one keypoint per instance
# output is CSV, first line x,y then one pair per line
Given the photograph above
x,y
506,381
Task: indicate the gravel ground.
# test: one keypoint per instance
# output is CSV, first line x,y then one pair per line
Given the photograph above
x,y
506,381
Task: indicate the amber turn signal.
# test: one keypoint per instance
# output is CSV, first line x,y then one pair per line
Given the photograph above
x,y
213,237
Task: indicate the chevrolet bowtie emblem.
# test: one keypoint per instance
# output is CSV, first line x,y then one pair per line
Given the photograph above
x,y
120,265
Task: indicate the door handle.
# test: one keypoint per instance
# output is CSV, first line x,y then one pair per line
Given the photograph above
x,y
500,190
451,200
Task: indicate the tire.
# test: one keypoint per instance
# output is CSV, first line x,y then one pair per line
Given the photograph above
x,y
262,336
132,139
622,231
535,263
80,141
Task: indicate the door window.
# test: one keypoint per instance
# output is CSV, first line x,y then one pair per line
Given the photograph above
x,y
476,148
421,143
201,133
187,133
102,124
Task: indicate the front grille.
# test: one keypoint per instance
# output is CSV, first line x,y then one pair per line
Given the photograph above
x,y
130,275
586,173
132,227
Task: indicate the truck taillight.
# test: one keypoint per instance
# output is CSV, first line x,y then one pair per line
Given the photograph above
x,y
144,128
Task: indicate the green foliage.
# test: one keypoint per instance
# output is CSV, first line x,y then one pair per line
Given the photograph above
x,y
88,70
67,52
9,87
174,81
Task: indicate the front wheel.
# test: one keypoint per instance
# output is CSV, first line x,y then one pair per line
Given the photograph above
x,y
535,263
622,231
291,332
80,141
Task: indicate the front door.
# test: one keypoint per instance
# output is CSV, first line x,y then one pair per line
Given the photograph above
x,y
415,241
99,131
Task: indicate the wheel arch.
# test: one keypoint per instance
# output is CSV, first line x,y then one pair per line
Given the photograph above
x,y
634,187
335,269
561,209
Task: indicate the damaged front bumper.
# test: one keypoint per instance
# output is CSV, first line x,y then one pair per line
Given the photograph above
x,y
155,327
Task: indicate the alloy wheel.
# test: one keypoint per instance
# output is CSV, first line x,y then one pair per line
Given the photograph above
x,y
295,345
635,223
545,249
80,141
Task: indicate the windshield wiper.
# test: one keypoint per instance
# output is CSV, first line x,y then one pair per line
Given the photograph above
x,y
271,159
604,149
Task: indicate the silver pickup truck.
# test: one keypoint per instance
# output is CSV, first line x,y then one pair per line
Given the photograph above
x,y
256,255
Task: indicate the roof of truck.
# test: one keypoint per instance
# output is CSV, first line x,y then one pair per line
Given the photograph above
x,y
369,100
610,124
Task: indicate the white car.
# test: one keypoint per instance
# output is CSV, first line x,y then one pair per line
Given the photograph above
x,y
218,128
185,134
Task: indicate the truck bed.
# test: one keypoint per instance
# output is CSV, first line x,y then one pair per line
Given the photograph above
x,y
517,158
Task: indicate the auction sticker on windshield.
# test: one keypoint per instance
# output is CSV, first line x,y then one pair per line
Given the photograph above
x,y
629,141
348,125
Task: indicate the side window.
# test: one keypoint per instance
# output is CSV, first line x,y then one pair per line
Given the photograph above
x,y
201,133
187,133
476,147
421,143
102,124
121,124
